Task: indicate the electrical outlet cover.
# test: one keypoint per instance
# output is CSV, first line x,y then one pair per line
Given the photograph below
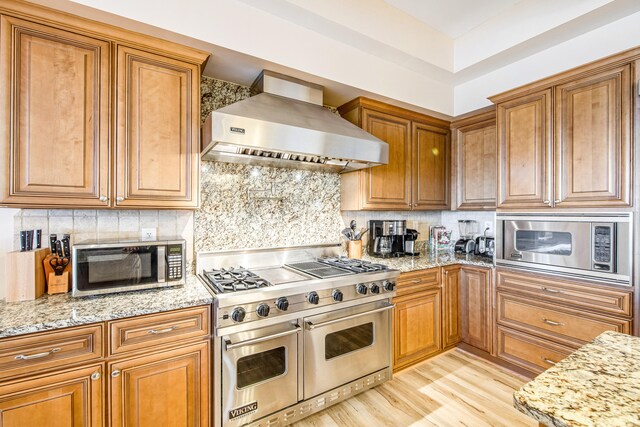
x,y
148,234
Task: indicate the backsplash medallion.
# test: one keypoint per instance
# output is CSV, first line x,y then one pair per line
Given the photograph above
x,y
252,207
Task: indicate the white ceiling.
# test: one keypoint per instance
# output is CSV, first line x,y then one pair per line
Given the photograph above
x,y
452,17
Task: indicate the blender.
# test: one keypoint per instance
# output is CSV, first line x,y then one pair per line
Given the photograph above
x,y
468,229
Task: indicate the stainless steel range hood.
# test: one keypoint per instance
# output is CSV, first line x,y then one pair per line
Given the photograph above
x,y
285,125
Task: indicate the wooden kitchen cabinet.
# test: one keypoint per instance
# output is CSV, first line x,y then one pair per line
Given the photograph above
x,y
95,116
55,89
416,329
585,160
164,388
157,144
475,161
451,306
417,175
63,399
477,321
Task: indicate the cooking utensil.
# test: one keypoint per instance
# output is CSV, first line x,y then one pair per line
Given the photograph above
x,y
361,233
353,226
346,233
59,264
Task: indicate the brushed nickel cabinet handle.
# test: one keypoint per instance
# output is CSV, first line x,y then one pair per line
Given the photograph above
x,y
416,281
38,355
549,361
161,331
95,376
115,373
551,291
104,199
552,322
120,199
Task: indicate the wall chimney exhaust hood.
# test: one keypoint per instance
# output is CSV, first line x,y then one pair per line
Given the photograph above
x,y
285,125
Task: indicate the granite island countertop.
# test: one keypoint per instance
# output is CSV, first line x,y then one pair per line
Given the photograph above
x,y
430,260
60,311
598,385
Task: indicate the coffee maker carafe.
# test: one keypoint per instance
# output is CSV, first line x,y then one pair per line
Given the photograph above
x,y
386,238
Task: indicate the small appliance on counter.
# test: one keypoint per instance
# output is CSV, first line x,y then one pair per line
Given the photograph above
x,y
485,246
386,238
410,238
468,229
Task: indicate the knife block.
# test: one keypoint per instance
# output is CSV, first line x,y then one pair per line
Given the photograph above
x,y
56,284
24,275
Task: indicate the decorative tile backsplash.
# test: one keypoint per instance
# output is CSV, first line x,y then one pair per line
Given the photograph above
x,y
248,207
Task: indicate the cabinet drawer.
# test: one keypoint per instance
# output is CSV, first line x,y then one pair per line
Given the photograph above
x,y
158,329
576,294
38,352
529,352
416,281
571,327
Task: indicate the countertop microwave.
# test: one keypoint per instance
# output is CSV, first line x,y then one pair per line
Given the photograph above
x,y
109,267
590,245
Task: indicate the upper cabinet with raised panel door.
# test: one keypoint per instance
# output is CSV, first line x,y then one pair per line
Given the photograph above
x,y
417,175
475,161
95,116
566,141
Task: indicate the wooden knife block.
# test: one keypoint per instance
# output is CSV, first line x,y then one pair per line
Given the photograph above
x,y
56,284
24,275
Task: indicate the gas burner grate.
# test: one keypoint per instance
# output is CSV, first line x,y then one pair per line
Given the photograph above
x,y
355,265
319,270
234,280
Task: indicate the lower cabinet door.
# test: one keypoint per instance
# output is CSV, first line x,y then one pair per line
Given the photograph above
x,y
416,329
451,306
168,388
476,307
69,398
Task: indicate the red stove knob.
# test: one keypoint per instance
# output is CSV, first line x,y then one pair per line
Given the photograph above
x,y
313,298
237,315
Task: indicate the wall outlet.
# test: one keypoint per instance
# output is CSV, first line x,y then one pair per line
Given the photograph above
x,y
488,226
148,234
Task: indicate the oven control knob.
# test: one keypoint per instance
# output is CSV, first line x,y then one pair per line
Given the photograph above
x,y
313,298
237,315
389,285
262,310
361,288
282,304
374,288
337,295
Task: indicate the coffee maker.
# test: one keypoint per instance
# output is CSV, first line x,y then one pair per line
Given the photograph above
x,y
386,238
410,242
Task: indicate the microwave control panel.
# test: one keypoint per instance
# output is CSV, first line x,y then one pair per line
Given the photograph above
x,y
602,247
174,262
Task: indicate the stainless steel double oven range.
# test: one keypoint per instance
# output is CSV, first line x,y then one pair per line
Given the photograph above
x,y
296,330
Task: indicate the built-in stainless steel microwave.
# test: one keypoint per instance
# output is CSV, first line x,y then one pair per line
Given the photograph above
x,y
589,245
108,267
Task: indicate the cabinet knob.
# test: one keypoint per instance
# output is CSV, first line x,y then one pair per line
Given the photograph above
x,y
546,202
119,199
415,205
557,201
95,376
104,199
115,373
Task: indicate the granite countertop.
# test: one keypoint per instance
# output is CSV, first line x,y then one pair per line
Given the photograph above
x,y
430,260
598,385
60,311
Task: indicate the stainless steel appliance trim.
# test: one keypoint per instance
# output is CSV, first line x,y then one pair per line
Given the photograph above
x,y
125,244
77,293
618,279
230,345
573,217
311,326
162,263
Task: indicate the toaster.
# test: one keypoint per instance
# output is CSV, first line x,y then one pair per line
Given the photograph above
x,y
485,246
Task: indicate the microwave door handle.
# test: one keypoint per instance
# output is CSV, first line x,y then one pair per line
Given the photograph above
x,y
311,326
162,263
231,345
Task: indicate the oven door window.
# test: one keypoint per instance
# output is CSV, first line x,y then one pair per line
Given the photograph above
x,y
112,268
261,367
348,340
544,242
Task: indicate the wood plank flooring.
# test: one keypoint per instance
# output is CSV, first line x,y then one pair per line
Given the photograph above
x,y
452,389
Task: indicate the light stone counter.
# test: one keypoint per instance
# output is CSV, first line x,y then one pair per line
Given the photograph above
x,y
598,385
61,311
429,260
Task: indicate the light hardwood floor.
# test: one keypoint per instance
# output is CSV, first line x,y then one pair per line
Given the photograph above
x,y
452,389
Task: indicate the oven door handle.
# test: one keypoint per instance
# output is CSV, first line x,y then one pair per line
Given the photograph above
x,y
230,345
311,326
